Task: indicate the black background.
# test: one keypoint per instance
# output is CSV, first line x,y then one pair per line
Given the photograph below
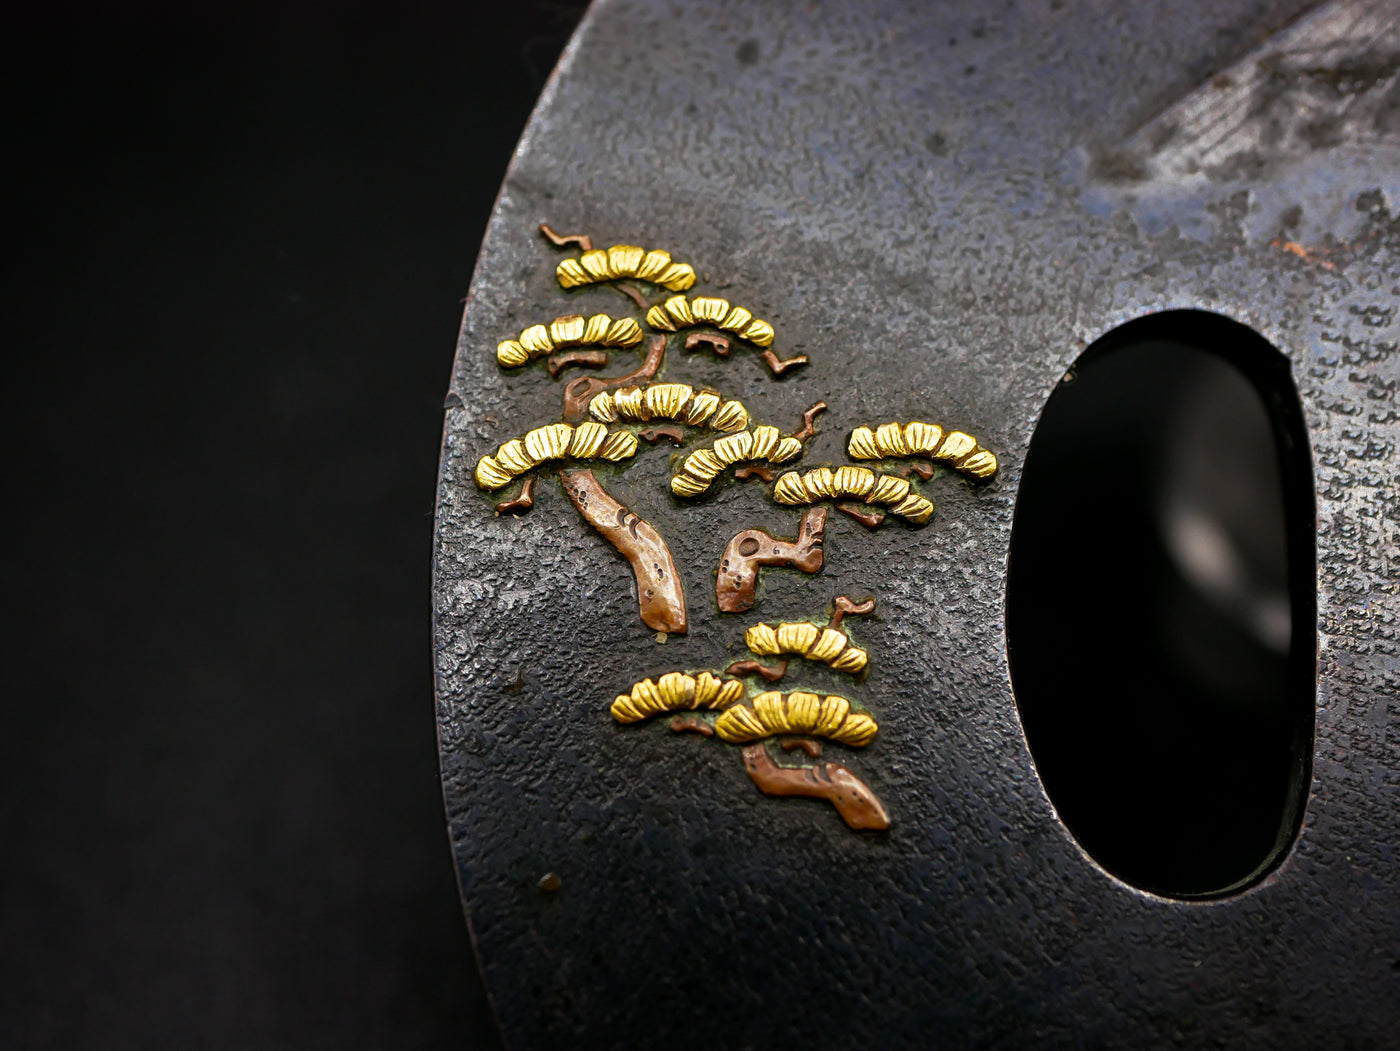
x,y
238,238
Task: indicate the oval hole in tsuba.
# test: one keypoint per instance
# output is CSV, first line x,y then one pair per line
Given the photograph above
x,y
1160,604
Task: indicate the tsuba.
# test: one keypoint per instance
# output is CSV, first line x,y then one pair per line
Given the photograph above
x,y
734,747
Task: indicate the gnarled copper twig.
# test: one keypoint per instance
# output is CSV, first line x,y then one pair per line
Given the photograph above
x,y
523,502
631,292
869,519
773,674
845,606
564,240
586,359
670,432
923,470
755,471
747,551
719,344
858,806
659,589
692,723
810,745
581,390
809,419
780,365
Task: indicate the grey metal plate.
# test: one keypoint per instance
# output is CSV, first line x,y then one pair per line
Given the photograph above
x,y
942,205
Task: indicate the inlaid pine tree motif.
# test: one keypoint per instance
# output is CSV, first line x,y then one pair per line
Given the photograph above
x,y
605,420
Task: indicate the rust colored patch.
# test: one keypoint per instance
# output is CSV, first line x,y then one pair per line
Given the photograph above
x,y
670,432
719,344
692,723
858,806
753,548
809,422
810,745
565,240
1294,248
523,502
587,359
659,589
869,519
773,674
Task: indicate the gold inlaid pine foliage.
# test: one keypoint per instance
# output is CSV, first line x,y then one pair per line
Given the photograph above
x,y
830,646
678,312
669,401
571,330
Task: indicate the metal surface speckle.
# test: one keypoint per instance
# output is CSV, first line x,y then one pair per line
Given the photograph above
x,y
903,191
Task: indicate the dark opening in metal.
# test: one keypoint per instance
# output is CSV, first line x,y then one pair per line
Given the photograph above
x,y
1161,606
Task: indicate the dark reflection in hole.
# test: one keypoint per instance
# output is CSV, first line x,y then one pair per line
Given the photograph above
x,y
1161,607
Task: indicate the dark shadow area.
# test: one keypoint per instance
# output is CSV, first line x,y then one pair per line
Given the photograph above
x,y
1161,607
238,240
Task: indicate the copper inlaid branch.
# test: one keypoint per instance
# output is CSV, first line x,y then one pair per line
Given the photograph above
x,y
747,551
845,607
666,432
779,366
523,502
858,806
809,422
755,471
585,359
693,724
633,293
659,589
923,470
809,745
869,519
565,240
719,344
579,392
773,674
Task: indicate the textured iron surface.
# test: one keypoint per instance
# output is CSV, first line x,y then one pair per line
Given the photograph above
x,y
944,204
